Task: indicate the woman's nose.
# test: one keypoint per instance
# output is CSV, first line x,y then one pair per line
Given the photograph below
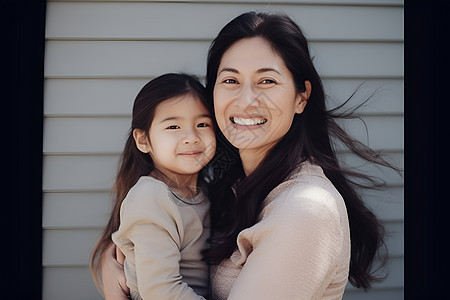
x,y
248,97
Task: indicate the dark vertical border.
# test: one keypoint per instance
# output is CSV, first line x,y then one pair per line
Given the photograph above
x,y
427,136
22,56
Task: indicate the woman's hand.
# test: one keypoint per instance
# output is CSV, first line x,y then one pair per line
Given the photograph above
x,y
113,275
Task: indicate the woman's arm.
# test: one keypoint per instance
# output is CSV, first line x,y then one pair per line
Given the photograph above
x,y
294,256
113,275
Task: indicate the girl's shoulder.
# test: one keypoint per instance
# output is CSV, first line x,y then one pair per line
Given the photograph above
x,y
148,183
147,192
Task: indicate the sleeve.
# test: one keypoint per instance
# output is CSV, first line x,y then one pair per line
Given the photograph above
x,y
153,226
294,252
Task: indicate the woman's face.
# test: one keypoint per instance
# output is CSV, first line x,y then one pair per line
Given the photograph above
x,y
255,99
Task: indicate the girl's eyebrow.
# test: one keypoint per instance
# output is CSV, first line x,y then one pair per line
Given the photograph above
x,y
175,118
169,119
205,116
262,70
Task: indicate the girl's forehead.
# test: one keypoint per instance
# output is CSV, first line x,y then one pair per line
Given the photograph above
x,y
180,104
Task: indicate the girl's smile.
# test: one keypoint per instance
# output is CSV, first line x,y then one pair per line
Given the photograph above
x,y
181,139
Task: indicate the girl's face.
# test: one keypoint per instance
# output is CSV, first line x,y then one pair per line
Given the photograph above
x,y
255,99
181,139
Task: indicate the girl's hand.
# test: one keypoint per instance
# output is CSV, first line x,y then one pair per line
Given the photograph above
x,y
113,275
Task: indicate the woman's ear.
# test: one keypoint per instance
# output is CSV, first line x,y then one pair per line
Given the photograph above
x,y
141,140
302,98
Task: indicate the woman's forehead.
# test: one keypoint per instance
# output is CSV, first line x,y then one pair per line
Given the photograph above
x,y
254,53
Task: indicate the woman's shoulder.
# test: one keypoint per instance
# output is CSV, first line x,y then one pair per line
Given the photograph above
x,y
307,191
305,177
308,172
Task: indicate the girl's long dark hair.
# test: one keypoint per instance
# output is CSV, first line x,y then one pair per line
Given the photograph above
x,y
236,204
133,163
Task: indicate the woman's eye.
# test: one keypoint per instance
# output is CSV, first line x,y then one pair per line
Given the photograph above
x,y
268,81
233,81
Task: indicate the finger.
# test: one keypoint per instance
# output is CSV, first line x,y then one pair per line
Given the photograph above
x,y
124,288
110,250
120,257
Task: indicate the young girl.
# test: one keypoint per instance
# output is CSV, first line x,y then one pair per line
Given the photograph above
x,y
160,202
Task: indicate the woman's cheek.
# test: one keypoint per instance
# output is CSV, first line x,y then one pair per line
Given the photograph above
x,y
219,109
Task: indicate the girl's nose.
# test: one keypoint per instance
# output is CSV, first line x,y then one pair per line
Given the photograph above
x,y
191,137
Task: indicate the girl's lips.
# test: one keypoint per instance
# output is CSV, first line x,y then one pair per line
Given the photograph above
x,y
190,153
248,121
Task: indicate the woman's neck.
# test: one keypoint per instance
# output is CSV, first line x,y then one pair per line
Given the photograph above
x,y
251,158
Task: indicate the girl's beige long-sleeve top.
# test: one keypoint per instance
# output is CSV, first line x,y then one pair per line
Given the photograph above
x,y
299,248
162,237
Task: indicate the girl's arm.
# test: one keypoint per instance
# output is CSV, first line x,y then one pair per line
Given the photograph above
x,y
150,235
113,275
157,259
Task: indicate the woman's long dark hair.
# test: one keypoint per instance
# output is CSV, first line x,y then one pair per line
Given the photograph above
x,y
236,204
133,163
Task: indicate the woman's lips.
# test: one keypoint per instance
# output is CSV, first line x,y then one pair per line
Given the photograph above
x,y
247,121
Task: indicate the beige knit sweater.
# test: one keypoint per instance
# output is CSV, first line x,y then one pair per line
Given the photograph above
x,y
162,236
299,248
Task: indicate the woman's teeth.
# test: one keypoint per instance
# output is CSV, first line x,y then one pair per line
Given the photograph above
x,y
248,121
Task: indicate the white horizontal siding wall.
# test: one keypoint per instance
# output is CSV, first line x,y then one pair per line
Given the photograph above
x,y
99,55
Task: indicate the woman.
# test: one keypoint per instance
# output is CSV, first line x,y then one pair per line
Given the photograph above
x,y
282,214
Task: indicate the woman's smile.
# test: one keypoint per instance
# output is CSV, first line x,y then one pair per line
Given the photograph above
x,y
252,84
247,121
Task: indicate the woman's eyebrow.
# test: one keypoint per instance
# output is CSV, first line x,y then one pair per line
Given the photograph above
x,y
262,70
227,69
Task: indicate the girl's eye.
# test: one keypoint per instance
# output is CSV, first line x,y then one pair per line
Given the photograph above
x,y
173,127
203,125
